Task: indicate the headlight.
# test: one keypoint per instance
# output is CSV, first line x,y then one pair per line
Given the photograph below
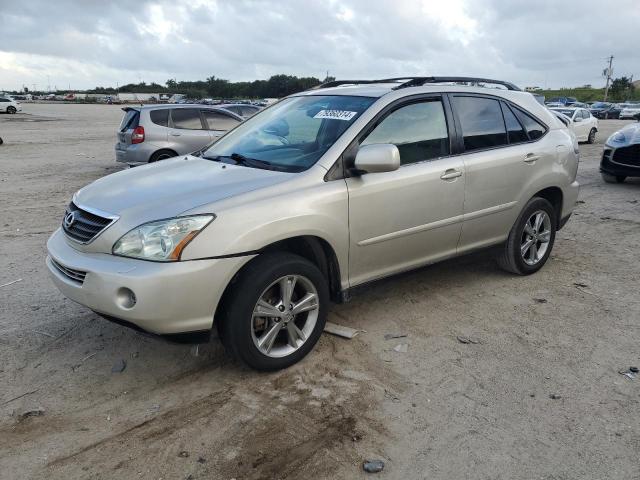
x,y
162,240
617,137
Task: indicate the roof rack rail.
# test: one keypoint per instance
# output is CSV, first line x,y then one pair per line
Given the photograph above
x,y
417,82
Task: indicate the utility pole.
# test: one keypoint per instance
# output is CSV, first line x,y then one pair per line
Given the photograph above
x,y
608,72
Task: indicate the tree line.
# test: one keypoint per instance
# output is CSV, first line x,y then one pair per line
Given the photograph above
x,y
275,87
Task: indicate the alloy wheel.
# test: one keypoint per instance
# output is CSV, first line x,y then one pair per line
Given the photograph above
x,y
285,316
536,236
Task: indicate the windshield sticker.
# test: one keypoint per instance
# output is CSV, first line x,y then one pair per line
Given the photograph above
x,y
336,114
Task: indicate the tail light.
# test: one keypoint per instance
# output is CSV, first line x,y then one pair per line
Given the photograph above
x,y
138,135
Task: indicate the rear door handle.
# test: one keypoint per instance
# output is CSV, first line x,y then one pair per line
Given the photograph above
x,y
450,174
531,158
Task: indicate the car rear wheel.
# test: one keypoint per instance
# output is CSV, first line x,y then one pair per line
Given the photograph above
x,y
613,178
531,238
592,136
162,155
276,311
11,109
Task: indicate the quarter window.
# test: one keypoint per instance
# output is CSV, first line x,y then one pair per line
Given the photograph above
x,y
481,121
160,117
219,121
186,118
515,131
419,130
535,129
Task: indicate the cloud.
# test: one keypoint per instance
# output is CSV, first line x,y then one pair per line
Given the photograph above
x,y
89,43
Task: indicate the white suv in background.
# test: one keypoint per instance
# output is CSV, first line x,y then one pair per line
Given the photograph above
x,y
9,105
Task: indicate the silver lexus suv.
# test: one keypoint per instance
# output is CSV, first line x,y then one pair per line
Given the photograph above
x,y
156,132
320,193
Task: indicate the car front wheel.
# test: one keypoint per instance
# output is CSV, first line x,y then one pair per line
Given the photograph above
x,y
11,109
592,136
275,312
531,238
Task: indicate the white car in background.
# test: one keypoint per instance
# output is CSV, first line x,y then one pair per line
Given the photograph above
x,y
630,111
9,105
582,123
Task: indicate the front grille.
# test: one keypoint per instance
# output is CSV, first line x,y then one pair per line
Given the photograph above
x,y
628,155
83,226
73,275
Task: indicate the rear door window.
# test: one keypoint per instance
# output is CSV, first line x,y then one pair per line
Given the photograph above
x,y
515,130
186,118
130,119
481,121
219,121
419,130
535,129
160,117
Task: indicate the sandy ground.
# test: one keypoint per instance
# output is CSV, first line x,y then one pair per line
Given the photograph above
x,y
442,410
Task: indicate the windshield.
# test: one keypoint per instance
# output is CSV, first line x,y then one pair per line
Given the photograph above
x,y
292,135
600,105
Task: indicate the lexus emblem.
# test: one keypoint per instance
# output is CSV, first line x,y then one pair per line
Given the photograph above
x,y
69,218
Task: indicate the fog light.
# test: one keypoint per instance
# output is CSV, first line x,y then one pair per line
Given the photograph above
x,y
125,298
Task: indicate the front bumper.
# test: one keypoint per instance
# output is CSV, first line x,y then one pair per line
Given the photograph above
x,y
170,298
621,161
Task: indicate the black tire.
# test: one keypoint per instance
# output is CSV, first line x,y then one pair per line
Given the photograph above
x,y
162,155
11,109
592,136
235,321
511,259
613,178
1,141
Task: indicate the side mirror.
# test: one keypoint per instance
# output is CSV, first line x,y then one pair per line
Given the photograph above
x,y
577,120
377,158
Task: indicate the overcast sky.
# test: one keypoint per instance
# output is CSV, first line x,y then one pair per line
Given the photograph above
x,y
82,44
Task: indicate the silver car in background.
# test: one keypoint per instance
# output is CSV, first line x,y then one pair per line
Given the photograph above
x,y
245,110
156,132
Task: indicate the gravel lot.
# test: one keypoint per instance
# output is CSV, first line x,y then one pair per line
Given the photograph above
x,y
442,410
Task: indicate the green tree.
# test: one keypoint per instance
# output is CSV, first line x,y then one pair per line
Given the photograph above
x,y
621,89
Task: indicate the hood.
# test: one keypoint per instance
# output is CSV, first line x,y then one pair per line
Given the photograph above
x,y
168,188
629,135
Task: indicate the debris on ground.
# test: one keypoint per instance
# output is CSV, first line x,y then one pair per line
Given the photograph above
x,y
119,366
183,454
580,202
389,336
373,466
37,412
341,330
12,282
540,300
202,460
580,285
44,333
195,350
401,348
555,396
89,356
631,374
20,396
466,340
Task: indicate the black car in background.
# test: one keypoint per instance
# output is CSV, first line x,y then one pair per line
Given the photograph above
x,y
603,110
621,155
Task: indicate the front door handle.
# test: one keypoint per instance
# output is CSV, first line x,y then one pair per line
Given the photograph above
x,y
175,134
531,158
450,174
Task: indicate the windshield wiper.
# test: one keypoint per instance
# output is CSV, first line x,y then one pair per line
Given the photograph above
x,y
251,162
